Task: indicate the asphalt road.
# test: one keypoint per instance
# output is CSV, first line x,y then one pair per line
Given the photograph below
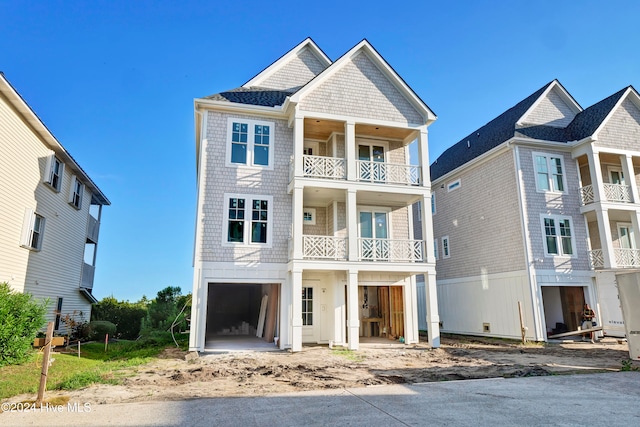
x,y
610,399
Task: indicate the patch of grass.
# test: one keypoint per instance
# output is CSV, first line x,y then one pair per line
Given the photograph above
x,y
347,354
627,365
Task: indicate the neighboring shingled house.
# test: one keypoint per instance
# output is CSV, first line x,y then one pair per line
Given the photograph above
x,y
304,231
541,206
49,214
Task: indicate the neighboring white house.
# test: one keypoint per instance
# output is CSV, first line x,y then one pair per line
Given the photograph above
x,y
541,206
304,230
49,213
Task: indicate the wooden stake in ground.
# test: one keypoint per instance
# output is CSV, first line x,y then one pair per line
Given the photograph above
x,y
45,364
523,329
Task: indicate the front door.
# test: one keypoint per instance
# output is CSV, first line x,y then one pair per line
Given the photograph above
x,y
374,244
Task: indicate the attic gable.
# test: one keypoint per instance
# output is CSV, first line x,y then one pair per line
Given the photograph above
x,y
554,108
293,70
621,128
358,80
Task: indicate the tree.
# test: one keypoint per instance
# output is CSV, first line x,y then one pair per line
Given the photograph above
x,y
21,319
125,315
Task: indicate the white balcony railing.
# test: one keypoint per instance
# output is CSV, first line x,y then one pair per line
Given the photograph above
x,y
612,193
625,258
391,250
324,247
391,173
93,228
324,167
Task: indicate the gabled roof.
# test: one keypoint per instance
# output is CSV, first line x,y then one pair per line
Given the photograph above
x,y
307,43
591,119
20,105
489,136
383,66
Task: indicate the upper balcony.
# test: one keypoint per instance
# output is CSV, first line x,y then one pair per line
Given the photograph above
x,y
614,174
618,193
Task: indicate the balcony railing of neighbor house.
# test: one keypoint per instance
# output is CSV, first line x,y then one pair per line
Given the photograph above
x,y
612,193
625,258
391,250
88,271
324,247
387,172
93,228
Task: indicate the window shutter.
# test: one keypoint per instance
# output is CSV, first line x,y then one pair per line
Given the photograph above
x,y
49,166
27,226
42,225
72,190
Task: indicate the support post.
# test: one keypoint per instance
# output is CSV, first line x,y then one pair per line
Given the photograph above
x,y
296,316
433,319
523,329
45,364
353,321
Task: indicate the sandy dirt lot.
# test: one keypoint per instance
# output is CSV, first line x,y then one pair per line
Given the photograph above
x,y
318,367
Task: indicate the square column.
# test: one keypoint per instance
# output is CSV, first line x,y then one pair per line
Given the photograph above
x,y
352,225
350,149
606,240
423,155
427,230
298,146
296,219
630,177
353,319
433,318
596,176
296,310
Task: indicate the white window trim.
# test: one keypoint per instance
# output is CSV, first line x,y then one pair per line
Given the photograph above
x,y
27,230
446,253
615,169
435,248
249,198
557,218
628,226
312,213
48,173
549,156
72,193
250,143
454,185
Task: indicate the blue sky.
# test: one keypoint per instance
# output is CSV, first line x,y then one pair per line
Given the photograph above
x,y
115,82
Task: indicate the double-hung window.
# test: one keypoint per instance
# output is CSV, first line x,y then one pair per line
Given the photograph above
x,y
549,172
54,172
249,219
75,195
558,236
250,143
32,230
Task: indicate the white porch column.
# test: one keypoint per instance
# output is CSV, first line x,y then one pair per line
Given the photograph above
x,y
353,318
630,177
596,176
423,155
339,310
198,313
411,334
635,224
427,229
606,240
296,316
352,225
298,146
433,319
350,149
296,219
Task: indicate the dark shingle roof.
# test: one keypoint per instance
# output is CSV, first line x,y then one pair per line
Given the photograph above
x,y
253,96
587,122
487,137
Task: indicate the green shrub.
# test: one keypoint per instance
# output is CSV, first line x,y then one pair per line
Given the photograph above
x,y
125,315
99,328
20,319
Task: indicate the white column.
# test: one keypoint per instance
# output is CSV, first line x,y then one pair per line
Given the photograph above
x,y
353,319
198,314
433,319
298,145
339,310
411,335
635,223
350,149
423,155
596,176
296,315
606,240
352,225
630,177
296,219
427,229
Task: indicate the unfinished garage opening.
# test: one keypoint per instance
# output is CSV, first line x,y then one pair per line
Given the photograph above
x,y
381,312
242,309
563,307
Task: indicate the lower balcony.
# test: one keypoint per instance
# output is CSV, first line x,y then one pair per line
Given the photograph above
x,y
625,258
384,250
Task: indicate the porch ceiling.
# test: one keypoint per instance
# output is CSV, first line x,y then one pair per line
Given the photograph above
x,y
321,129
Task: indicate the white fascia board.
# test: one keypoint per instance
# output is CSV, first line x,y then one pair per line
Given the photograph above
x,y
472,163
201,103
20,105
383,66
611,113
533,142
563,94
264,74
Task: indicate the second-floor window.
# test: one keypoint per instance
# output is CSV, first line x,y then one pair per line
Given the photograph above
x,y
54,171
549,172
32,231
75,195
248,219
250,143
558,236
